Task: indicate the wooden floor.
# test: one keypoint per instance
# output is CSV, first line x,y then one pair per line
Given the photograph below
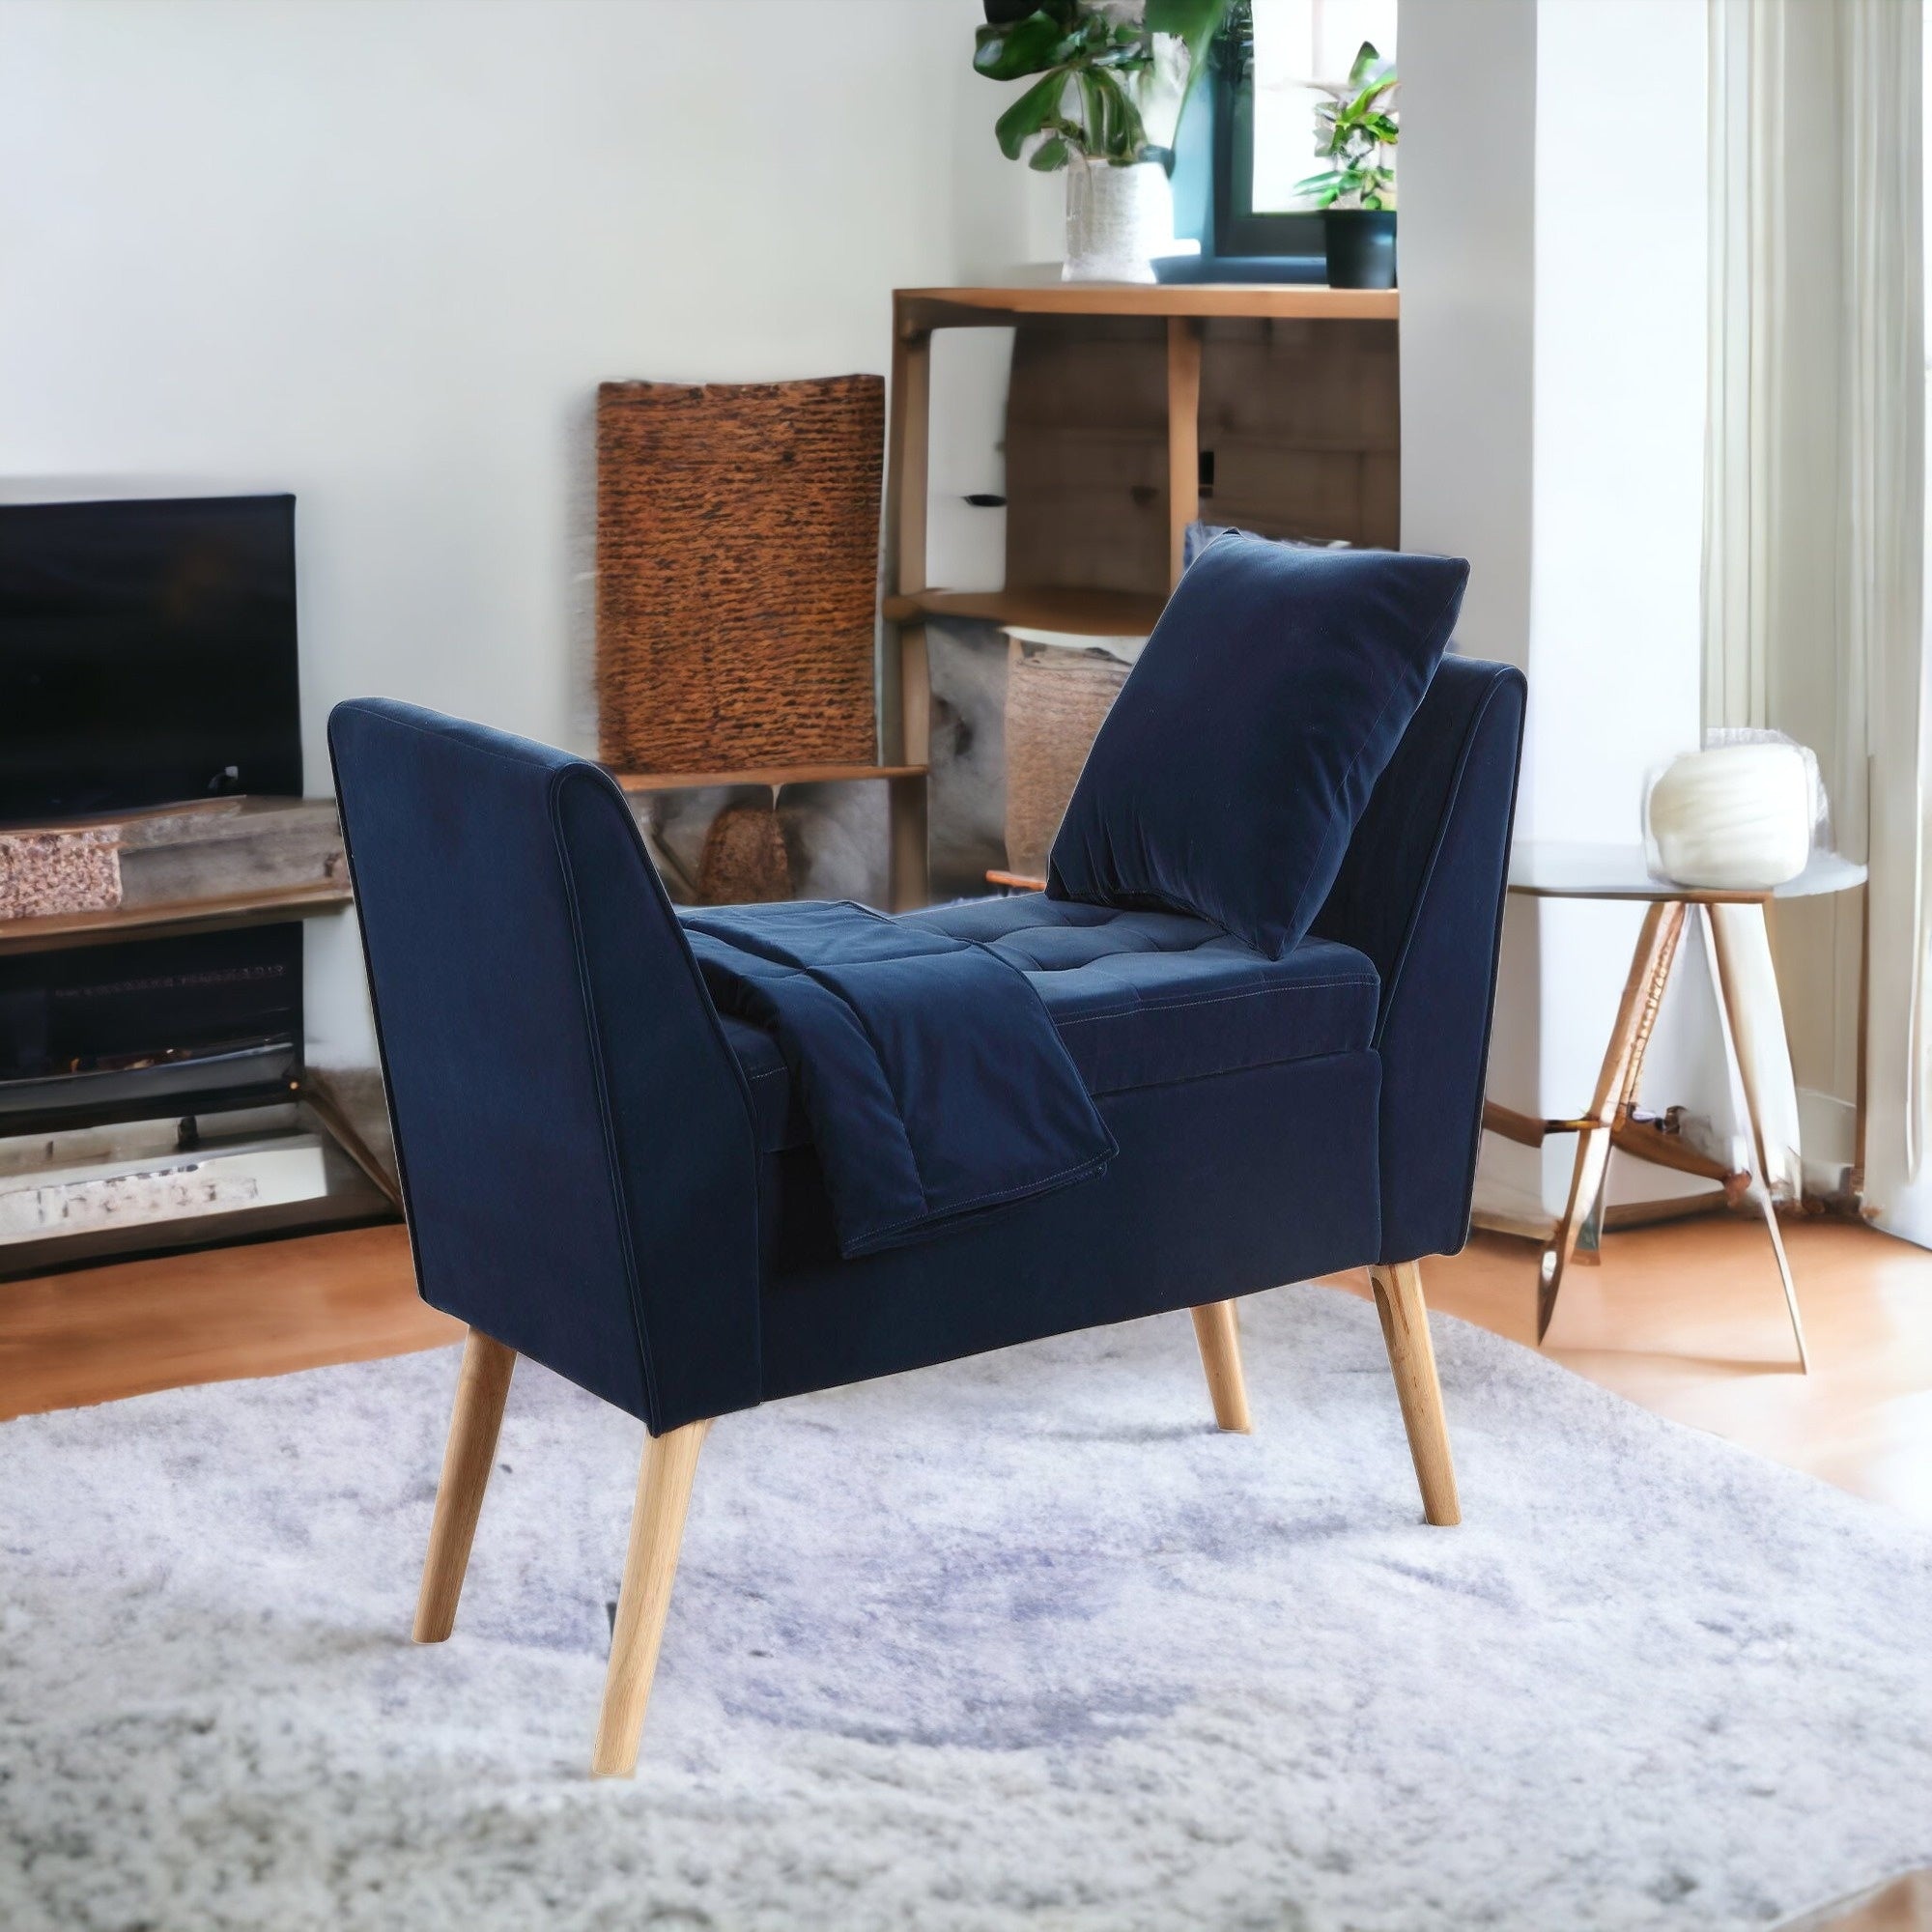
x,y
1687,1320
99,1333
1904,1905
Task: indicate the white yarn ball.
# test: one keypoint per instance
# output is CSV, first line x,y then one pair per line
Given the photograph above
x,y
1736,817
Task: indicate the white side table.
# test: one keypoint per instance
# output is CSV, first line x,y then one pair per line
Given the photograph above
x,y
1549,870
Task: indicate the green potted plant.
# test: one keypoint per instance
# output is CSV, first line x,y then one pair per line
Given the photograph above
x,y
1357,128
1109,83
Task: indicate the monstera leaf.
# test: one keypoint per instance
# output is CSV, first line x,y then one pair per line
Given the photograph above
x,y
1192,23
1090,65
1045,38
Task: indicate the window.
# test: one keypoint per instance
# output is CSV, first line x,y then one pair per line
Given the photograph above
x,y
1271,68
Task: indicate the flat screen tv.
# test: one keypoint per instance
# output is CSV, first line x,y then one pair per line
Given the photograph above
x,y
147,653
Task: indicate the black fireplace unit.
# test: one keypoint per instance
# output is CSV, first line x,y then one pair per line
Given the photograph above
x,y
146,657
145,1027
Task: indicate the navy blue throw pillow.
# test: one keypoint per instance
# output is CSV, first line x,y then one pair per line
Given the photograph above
x,y
1228,775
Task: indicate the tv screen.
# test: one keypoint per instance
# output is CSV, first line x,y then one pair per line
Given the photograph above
x,y
147,653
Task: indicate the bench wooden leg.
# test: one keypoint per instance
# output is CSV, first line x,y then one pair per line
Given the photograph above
x,y
1220,1340
466,1459
1412,1356
656,1530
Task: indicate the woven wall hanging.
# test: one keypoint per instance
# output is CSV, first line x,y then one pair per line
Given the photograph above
x,y
737,573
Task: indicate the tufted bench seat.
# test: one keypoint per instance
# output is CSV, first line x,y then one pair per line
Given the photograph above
x,y
1142,999
1294,760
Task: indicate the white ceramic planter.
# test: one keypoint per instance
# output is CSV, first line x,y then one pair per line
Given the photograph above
x,y
1116,220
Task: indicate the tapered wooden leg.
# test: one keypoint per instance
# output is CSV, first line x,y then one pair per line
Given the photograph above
x,y
1728,1017
1412,1356
466,1459
1220,1340
1616,1086
657,1529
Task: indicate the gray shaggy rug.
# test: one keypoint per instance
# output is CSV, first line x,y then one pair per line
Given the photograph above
x,y
1021,1640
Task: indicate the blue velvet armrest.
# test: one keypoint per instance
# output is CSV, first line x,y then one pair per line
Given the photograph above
x,y
573,1130
1421,893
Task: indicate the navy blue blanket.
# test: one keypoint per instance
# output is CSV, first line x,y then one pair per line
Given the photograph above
x,y
935,1082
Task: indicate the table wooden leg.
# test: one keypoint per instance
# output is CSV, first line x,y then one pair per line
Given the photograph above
x,y
1589,1249
1727,1018
1616,1083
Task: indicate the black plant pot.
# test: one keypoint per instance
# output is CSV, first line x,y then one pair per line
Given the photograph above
x,y
1361,247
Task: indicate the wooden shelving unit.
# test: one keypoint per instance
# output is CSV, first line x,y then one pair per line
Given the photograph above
x,y
1110,389
205,865
168,918
772,776
927,309
193,867
1086,614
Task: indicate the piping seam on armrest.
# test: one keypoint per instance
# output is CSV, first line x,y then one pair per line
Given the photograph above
x,y
594,1038
605,787
1393,985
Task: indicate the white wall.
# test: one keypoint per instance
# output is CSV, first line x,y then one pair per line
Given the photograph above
x,y
381,255
1621,276
1468,311
1616,605
1554,368
1468,267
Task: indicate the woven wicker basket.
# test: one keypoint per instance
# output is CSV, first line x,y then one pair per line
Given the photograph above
x,y
745,860
1056,701
737,572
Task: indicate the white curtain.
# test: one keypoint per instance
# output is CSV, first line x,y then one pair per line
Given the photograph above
x,y
1883,553
1745,380
1884,556
1815,505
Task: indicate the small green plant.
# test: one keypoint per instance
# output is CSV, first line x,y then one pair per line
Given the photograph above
x,y
1357,129
1094,67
